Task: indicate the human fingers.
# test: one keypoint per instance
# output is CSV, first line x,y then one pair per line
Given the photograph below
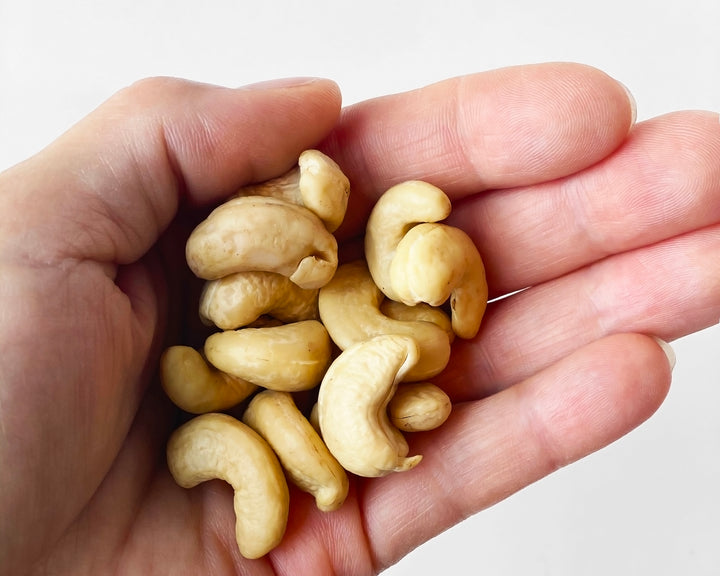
x,y
491,448
107,188
508,127
664,181
668,289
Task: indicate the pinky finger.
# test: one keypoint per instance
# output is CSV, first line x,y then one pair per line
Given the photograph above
x,y
491,448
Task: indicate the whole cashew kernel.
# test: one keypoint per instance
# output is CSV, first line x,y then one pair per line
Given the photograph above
x,y
418,407
434,262
240,299
287,358
352,406
195,386
302,453
397,211
218,446
267,234
350,310
317,183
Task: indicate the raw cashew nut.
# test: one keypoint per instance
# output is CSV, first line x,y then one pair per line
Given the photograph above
x,y
397,211
434,262
240,299
418,407
317,183
195,386
352,406
288,358
304,456
267,234
218,446
350,310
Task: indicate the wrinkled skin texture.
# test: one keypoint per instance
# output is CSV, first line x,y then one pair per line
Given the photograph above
x,y
615,228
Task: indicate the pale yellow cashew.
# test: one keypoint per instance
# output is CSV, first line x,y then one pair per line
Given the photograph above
x,y
418,407
436,262
317,183
306,460
352,406
287,358
240,299
413,258
350,310
397,211
195,386
218,446
267,234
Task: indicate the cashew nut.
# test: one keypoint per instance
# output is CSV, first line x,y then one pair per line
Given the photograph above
x,y
352,406
317,183
195,386
412,258
218,446
434,262
267,234
397,211
418,407
304,456
288,358
350,310
241,298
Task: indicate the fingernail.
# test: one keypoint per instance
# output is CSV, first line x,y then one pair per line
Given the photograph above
x,y
280,83
633,103
669,352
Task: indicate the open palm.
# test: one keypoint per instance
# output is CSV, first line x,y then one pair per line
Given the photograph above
x,y
603,232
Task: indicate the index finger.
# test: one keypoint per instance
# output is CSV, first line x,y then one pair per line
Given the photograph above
x,y
497,129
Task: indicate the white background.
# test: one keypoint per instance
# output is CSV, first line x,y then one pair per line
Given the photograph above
x,y
648,504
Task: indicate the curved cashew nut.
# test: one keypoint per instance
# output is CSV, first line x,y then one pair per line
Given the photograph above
x,y
352,406
195,386
218,446
397,211
350,310
317,183
418,407
304,456
434,262
239,299
267,234
288,358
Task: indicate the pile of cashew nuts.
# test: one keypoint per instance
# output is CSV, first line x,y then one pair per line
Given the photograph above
x,y
364,336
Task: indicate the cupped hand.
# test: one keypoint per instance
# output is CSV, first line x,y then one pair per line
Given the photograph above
x,y
600,232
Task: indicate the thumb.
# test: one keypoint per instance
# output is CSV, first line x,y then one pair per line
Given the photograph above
x,y
107,188
72,371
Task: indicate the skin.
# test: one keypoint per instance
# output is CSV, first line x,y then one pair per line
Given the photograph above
x,y
616,230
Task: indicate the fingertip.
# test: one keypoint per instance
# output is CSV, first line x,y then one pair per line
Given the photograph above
x,y
323,89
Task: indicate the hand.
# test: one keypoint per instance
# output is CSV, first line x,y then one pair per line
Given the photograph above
x,y
614,234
